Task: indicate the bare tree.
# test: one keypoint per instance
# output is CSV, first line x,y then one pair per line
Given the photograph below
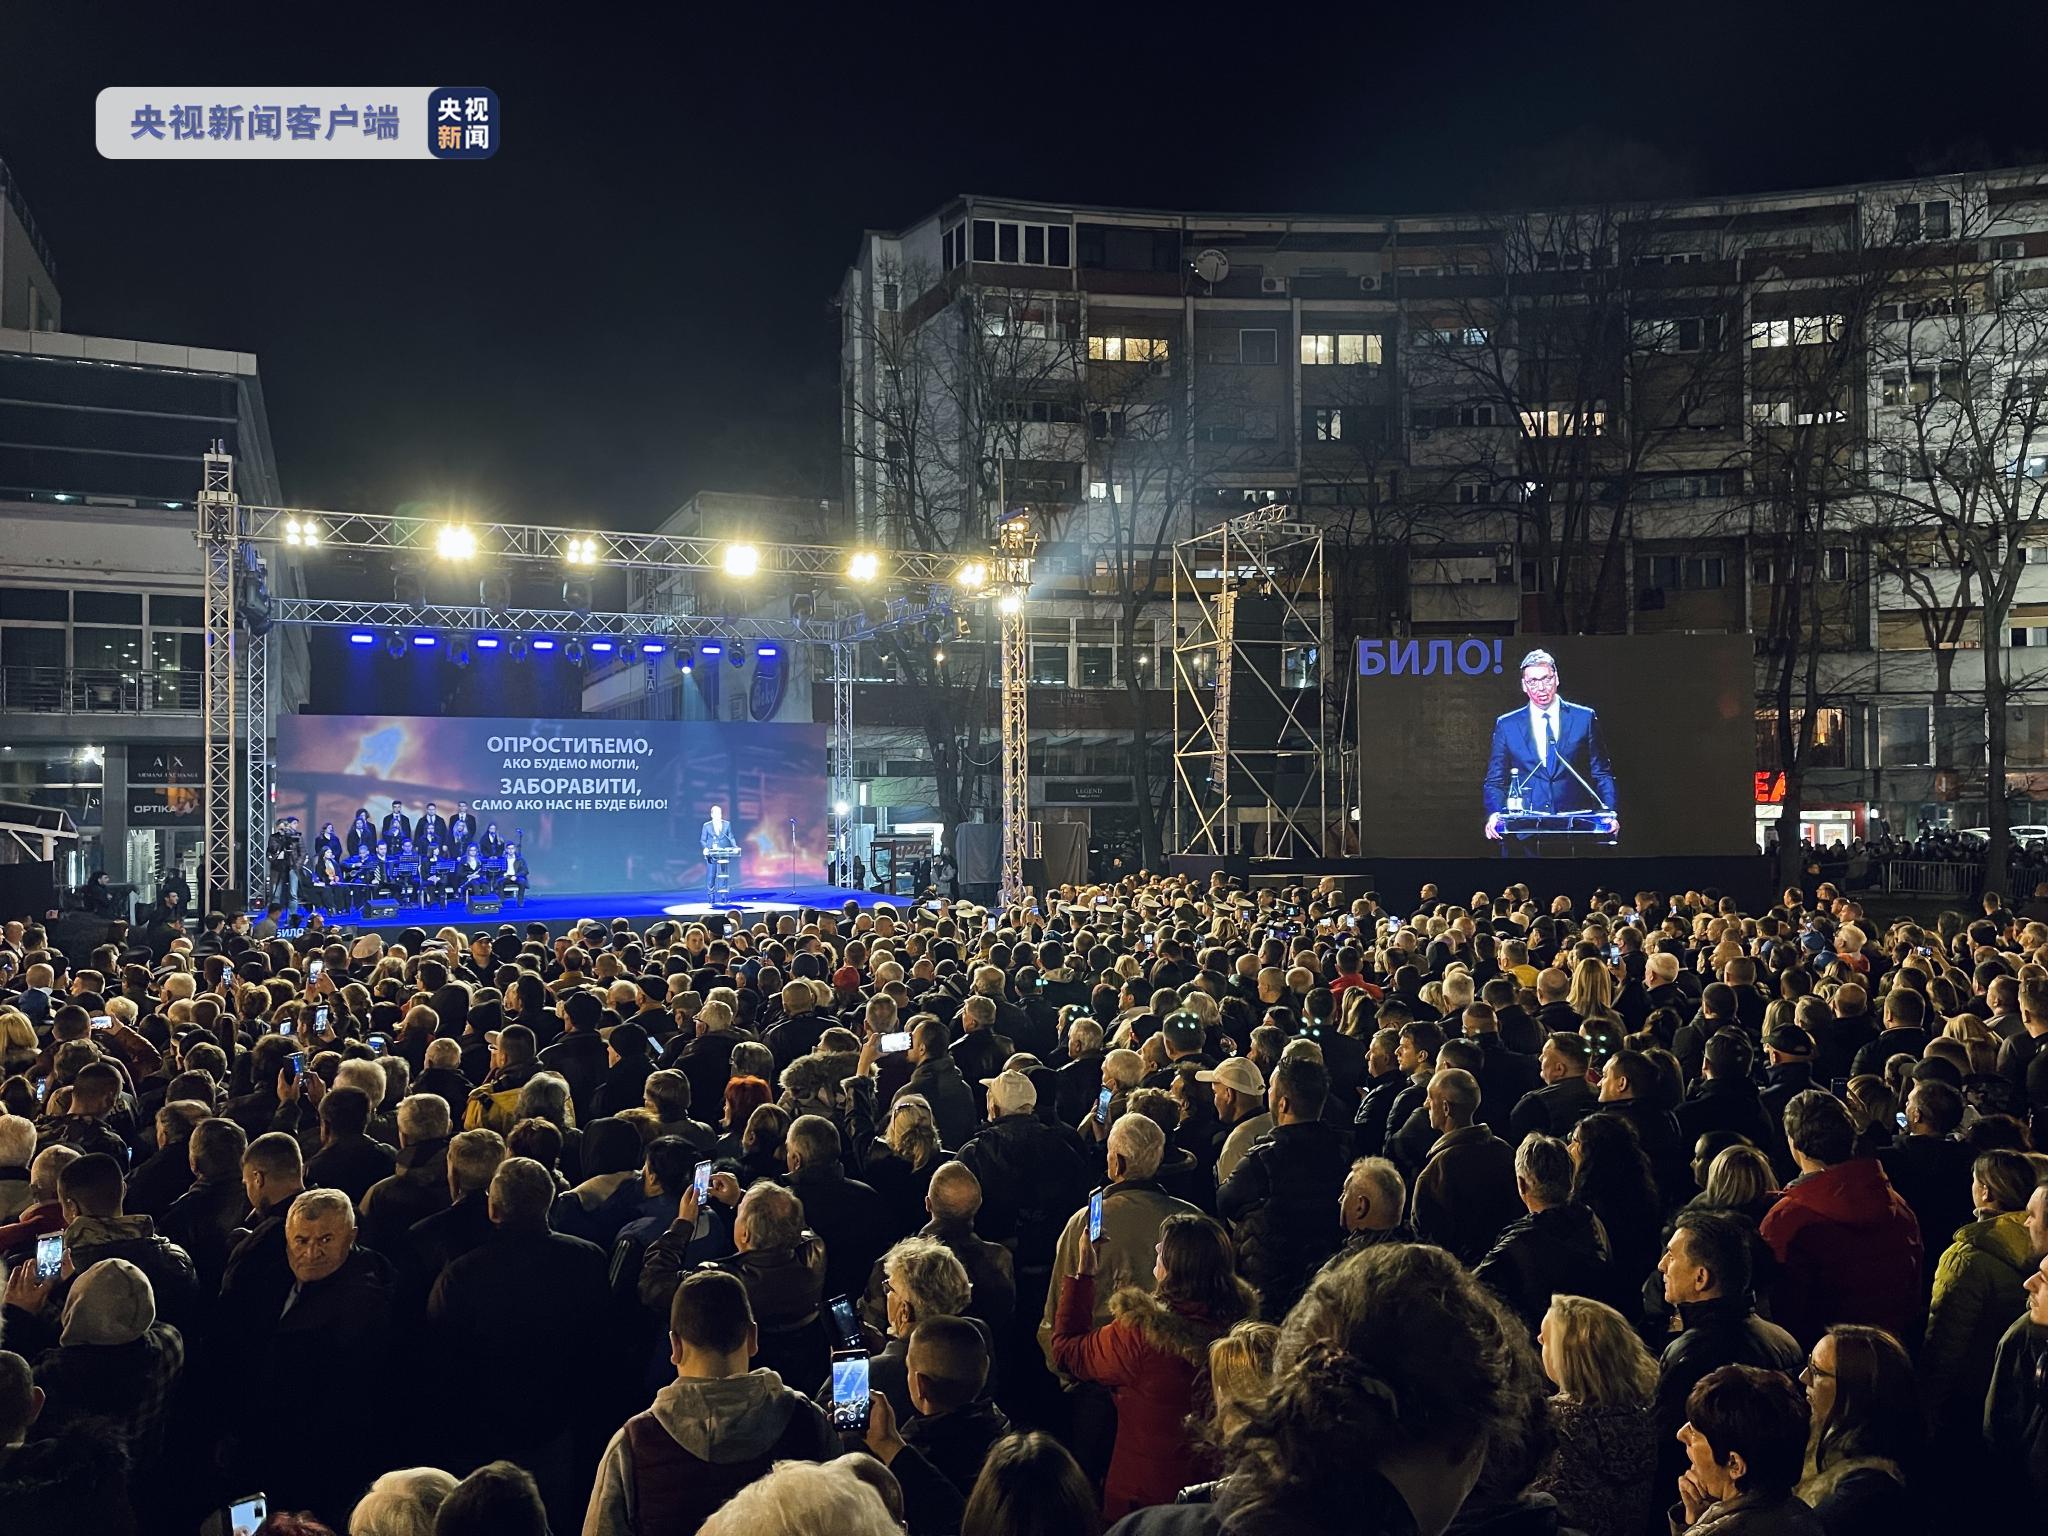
x,y
1959,435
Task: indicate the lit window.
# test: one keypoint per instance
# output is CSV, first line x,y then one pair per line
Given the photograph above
x,y
1342,348
1564,422
1328,425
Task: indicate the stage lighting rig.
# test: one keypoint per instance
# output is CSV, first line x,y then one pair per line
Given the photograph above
x,y
863,565
301,532
455,541
572,651
394,645
741,560
580,550
515,648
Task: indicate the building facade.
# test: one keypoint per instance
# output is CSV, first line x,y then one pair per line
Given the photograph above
x,y
1744,415
101,627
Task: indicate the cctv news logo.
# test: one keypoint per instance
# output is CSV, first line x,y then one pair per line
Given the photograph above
x,y
447,122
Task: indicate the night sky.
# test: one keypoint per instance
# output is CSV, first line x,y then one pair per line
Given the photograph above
x,y
631,302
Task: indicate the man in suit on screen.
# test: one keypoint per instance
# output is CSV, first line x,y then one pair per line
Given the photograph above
x,y
1548,756
721,848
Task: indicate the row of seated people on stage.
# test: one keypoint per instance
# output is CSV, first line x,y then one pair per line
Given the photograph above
x,y
430,874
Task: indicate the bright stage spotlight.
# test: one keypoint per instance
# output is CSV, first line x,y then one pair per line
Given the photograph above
x,y
602,647
654,647
863,565
580,550
841,808
1010,603
741,560
488,642
767,649
455,541
427,642
301,533
972,576
711,649
362,637
543,644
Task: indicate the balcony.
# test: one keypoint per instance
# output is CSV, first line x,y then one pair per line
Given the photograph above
x,y
86,691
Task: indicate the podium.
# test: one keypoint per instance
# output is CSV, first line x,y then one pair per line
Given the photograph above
x,y
1555,834
719,864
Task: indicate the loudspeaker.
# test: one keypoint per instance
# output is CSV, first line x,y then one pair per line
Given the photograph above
x,y
380,910
486,906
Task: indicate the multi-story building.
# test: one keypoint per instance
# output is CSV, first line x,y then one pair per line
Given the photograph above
x,y
101,629
1726,415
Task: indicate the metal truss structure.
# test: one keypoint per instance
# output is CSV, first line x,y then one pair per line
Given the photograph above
x,y
1015,543
1233,679
236,699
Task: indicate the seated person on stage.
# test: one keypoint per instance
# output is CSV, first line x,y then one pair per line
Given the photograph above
x,y
470,873
461,827
514,879
406,869
490,845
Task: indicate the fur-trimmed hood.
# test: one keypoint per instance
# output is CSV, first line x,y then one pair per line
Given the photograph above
x,y
1181,1332
1815,1486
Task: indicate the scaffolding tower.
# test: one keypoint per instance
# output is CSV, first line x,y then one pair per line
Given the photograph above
x,y
1251,737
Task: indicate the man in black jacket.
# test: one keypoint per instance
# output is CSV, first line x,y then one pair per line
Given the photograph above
x,y
849,1215
1725,1099
579,1054
1905,1012
418,1186
980,1052
1032,1175
1625,1088
437,1241
933,1074
1504,1077
1278,1197
1383,1084
1079,1077
348,1160
526,1282
1931,1169
1566,1097
202,1220
1706,1272
1557,1249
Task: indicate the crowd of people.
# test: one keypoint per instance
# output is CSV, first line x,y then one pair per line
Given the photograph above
x,y
1178,1208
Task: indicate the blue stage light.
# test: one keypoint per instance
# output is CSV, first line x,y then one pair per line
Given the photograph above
x,y
711,648
425,640
543,645
487,642
601,645
768,648
362,637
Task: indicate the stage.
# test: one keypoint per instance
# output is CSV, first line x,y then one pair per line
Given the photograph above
x,y
638,908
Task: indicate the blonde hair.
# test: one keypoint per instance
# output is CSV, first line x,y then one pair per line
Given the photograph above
x,y
1592,992
911,1133
1738,1177
16,1033
1240,1370
1598,1358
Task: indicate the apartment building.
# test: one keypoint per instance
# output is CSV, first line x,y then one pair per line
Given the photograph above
x,y
1723,415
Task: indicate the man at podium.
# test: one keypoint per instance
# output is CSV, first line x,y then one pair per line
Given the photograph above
x,y
1548,771
721,852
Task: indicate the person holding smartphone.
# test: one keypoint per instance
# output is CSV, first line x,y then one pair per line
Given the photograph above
x,y
717,1427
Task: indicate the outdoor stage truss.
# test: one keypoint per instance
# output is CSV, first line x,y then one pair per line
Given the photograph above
x,y
1250,733
1015,543
236,706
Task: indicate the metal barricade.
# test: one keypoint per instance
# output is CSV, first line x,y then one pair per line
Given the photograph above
x,y
1942,879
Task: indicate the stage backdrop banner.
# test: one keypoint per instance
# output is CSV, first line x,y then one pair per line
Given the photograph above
x,y
597,806
1663,727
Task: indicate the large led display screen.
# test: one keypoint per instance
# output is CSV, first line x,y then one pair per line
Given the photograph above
x,y
1541,747
594,806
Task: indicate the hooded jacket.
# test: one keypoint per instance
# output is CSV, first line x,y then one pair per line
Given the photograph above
x,y
1978,1285
668,1469
1848,1250
1154,1357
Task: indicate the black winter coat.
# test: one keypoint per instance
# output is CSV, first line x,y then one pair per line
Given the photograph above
x,y
1561,1251
1280,1199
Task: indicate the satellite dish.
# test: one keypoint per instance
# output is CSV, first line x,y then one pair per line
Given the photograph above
x,y
1212,266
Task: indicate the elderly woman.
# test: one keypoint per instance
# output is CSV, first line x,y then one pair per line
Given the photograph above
x,y
1744,1437
900,1162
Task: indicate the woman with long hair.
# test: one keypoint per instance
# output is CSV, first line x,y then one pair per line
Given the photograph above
x,y
762,1143
1603,1472
1611,1177
1030,1486
1866,1432
743,1095
1153,1354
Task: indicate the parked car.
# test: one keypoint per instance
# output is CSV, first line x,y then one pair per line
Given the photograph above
x,y
2025,836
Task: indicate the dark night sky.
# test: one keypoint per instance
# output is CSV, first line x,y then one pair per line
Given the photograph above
x,y
630,303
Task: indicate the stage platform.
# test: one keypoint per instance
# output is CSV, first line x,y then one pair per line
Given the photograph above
x,y
638,908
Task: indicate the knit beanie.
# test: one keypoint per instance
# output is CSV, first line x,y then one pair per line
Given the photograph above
x,y
111,1303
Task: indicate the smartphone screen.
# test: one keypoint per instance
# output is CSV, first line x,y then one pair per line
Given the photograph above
x,y
900,1041
379,1045
850,1392
845,1323
102,1021
1102,1102
246,1514
314,968
703,1182
1901,1117
989,926
42,1090
1839,1087
320,1017
287,1028
1095,1217
295,1065
49,1255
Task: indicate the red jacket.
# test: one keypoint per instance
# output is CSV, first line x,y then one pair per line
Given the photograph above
x,y
1848,1251
1154,1357
21,1233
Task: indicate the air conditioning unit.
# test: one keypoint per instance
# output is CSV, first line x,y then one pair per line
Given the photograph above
x,y
1369,283
1272,285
